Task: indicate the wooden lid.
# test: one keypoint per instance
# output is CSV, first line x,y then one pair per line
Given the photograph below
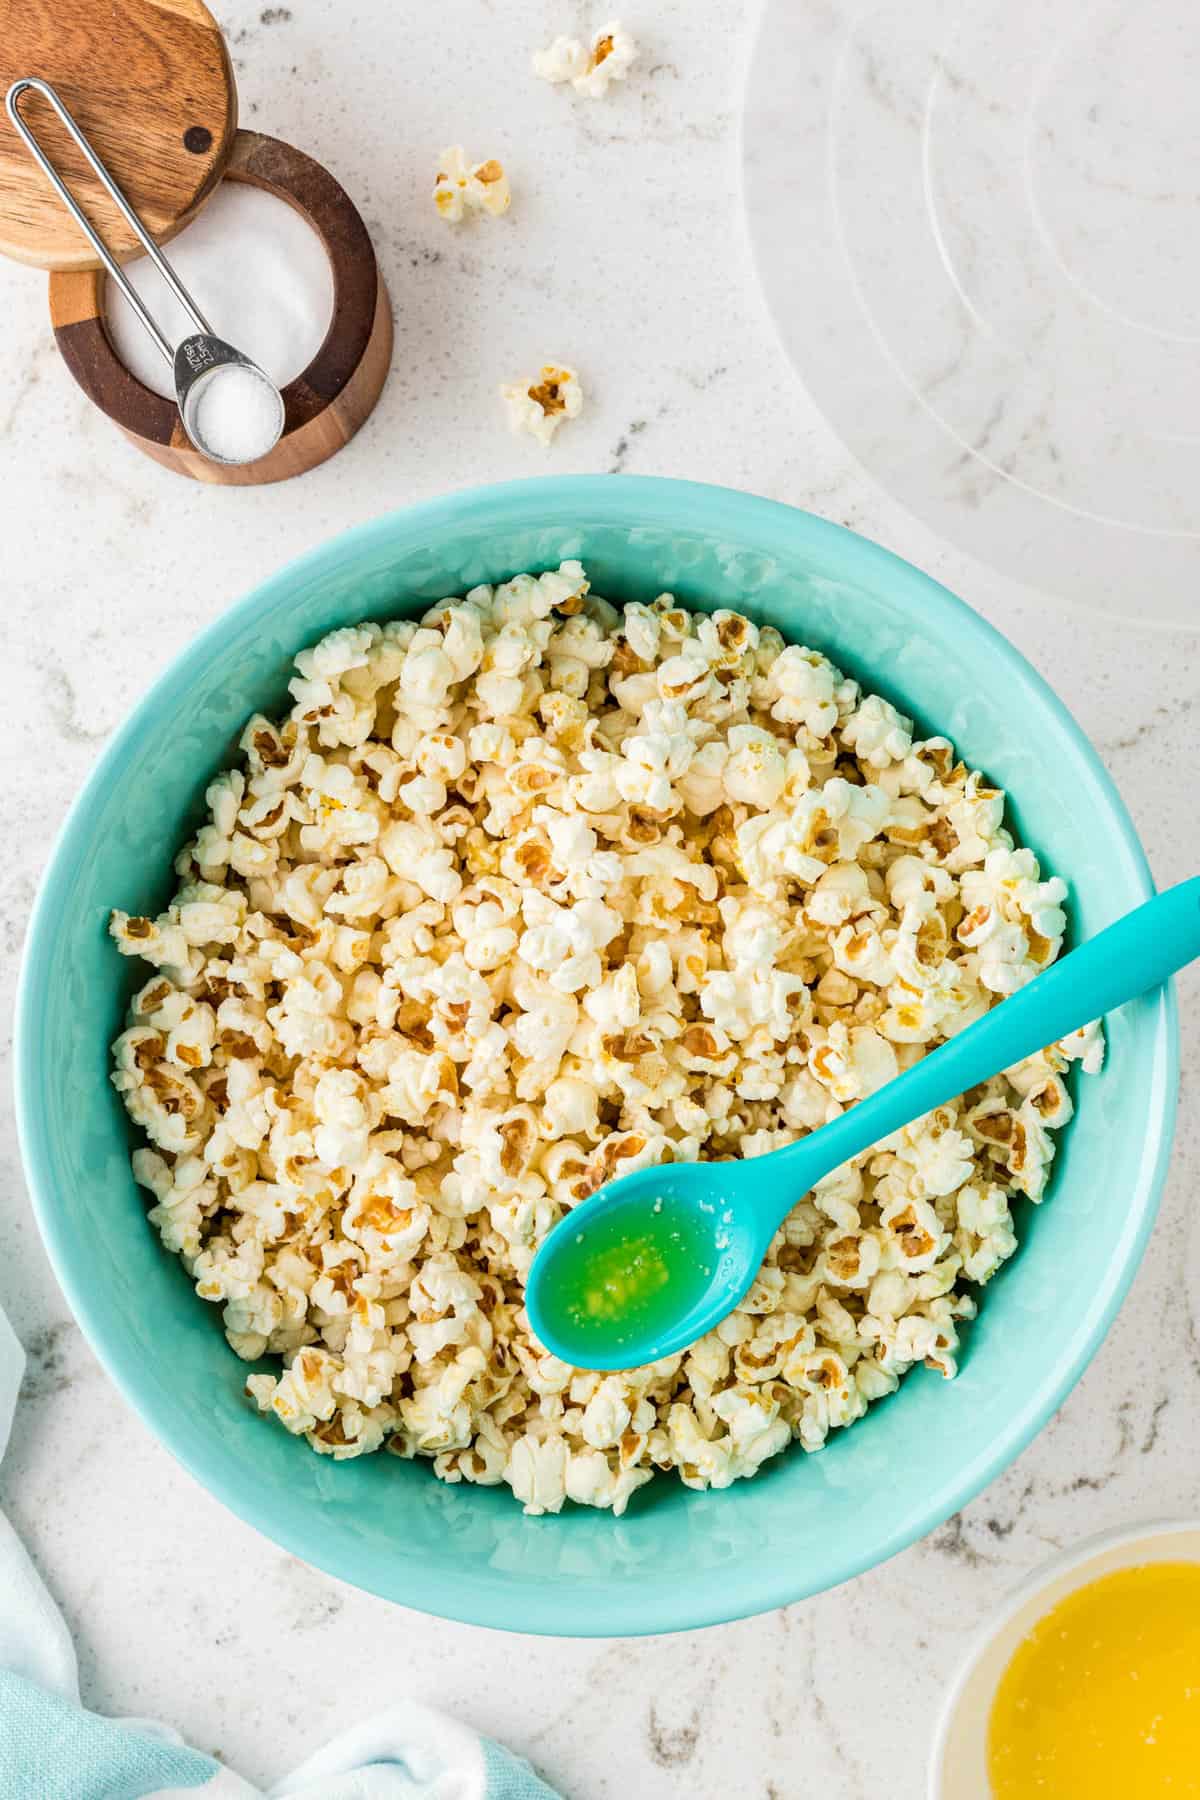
x,y
150,83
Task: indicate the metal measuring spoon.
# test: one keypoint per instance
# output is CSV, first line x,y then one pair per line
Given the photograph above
x,y
202,360
200,363
653,1261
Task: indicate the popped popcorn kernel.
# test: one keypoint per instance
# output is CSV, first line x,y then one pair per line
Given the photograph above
x,y
460,188
539,406
531,892
608,57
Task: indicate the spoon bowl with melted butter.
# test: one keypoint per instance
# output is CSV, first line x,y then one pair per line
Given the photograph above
x,y
653,1261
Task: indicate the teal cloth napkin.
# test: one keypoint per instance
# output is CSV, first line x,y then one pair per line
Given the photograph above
x,y
52,1748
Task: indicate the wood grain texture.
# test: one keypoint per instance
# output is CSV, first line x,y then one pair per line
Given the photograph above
x,y
327,402
150,83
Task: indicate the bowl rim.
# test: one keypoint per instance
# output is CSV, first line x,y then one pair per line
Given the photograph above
x,y
1076,1556
636,501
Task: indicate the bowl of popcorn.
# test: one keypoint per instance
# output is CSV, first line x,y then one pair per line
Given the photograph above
x,y
516,841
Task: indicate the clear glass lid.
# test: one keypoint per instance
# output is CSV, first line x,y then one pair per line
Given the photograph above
x,y
977,224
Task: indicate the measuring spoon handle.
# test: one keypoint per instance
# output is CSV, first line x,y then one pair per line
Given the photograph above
x,y
1139,952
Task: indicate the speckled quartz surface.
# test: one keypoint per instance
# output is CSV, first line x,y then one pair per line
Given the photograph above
x,y
623,254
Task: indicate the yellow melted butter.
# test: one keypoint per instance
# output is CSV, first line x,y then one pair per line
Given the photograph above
x,y
1102,1700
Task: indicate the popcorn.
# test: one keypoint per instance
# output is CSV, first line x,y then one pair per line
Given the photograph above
x,y
457,189
537,1474
530,893
540,405
755,1428
1086,1047
606,1416
877,733
591,1481
340,1103
563,60
609,57
754,772
570,1108
799,689
438,1416
985,1236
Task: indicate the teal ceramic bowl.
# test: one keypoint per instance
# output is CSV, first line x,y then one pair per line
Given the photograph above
x,y
678,1558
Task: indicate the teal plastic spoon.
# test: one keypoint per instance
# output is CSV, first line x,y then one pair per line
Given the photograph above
x,y
653,1261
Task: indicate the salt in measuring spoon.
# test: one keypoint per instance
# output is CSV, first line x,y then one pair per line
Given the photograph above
x,y
224,425
653,1261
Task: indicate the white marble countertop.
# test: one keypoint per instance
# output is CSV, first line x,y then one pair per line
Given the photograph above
x,y
623,253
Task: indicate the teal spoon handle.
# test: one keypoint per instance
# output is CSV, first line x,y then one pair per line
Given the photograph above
x,y
1139,952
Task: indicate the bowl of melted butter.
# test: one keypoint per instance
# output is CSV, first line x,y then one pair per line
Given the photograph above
x,y
1087,1684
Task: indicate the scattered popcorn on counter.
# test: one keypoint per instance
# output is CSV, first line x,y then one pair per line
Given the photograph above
x,y
609,57
540,406
532,892
459,190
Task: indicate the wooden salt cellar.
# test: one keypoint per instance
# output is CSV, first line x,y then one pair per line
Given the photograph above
x,y
150,83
